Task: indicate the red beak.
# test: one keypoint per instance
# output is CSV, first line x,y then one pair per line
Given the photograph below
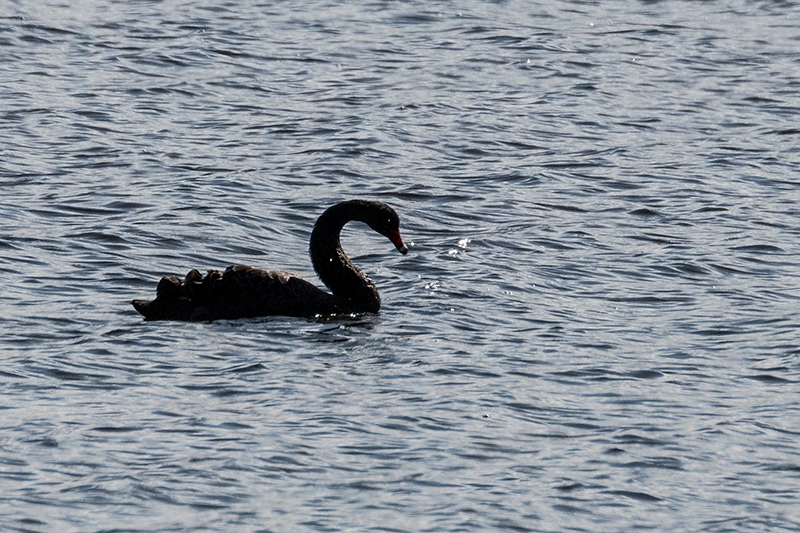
x,y
398,242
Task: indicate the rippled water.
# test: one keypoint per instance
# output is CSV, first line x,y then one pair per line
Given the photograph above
x,y
596,328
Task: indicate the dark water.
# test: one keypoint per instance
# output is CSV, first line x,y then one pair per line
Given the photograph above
x,y
596,328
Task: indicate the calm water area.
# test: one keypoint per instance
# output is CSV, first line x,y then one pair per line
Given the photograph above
x,y
596,329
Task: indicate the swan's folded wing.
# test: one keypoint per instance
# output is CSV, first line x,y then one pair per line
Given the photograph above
x,y
238,292
243,291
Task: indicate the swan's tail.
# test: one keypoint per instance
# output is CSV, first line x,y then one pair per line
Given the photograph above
x,y
162,309
146,307
173,299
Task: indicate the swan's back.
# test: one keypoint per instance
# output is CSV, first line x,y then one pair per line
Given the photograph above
x,y
238,292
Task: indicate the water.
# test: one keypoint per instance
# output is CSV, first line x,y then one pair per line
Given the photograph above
x,y
595,330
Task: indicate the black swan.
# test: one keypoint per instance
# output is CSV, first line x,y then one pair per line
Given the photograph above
x,y
244,292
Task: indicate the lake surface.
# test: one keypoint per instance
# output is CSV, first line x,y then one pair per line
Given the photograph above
x,y
596,328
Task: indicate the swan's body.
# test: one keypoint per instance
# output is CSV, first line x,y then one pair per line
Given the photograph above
x,y
244,292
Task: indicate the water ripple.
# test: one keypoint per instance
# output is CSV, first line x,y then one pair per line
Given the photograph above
x,y
595,327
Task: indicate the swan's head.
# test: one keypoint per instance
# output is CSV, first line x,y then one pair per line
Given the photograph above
x,y
385,221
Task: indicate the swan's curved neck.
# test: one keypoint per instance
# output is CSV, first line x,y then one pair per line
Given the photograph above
x,y
334,268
